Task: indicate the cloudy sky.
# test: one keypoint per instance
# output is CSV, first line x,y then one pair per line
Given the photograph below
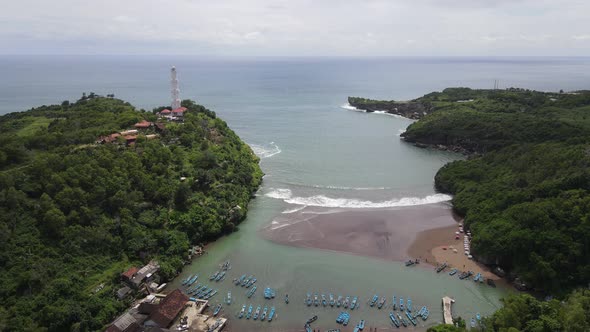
x,y
296,27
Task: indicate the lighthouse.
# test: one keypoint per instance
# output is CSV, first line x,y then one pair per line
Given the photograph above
x,y
175,90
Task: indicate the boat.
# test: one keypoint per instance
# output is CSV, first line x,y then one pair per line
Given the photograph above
x,y
402,320
339,301
410,318
308,328
264,312
192,281
269,293
361,324
324,302
354,303
226,266
214,275
425,314
240,280
394,302
213,327
287,298
220,276
251,282
409,304
185,281
401,303
478,316
210,295
242,312
251,292
346,302
410,262
453,272
249,313
346,319
246,281
343,318
491,282
472,322
381,302
228,301
271,315
441,267
256,313
217,310
316,301
332,301
312,319
374,300
465,275
476,278
393,319
308,300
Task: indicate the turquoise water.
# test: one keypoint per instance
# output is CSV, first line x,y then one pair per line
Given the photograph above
x,y
317,154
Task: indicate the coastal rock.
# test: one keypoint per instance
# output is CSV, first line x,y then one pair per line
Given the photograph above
x,y
409,109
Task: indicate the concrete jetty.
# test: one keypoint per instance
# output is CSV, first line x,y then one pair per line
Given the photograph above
x,y
447,303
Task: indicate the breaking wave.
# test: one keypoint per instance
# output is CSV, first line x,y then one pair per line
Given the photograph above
x,y
350,108
318,186
323,201
266,151
297,209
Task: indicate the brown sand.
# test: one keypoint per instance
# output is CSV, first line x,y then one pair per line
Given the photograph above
x,y
381,233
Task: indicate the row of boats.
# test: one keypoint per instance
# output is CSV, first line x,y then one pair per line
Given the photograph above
x,y
478,277
202,292
263,314
245,281
375,301
218,276
341,301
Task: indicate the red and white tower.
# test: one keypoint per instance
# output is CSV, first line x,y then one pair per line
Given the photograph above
x,y
175,90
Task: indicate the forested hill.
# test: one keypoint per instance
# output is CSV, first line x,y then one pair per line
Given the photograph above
x,y
526,192
74,214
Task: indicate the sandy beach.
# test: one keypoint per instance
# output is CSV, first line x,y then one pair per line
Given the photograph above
x,y
381,233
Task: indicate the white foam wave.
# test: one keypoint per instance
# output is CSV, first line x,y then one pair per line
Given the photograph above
x,y
299,208
350,107
400,132
319,186
266,151
351,203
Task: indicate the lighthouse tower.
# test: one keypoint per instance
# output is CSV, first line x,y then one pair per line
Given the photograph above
x,y
175,90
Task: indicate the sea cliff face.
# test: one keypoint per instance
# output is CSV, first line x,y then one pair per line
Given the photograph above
x,y
409,109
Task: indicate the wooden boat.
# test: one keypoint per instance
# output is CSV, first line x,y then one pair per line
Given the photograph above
x,y
256,313
324,301
354,303
228,300
213,276
316,301
217,310
339,301
251,282
312,319
402,320
401,303
271,315
185,281
441,267
361,324
249,313
374,300
381,302
409,304
308,300
240,280
242,312
453,272
263,315
332,301
287,298
425,314
220,276
346,302
394,319
410,318
246,281
251,292
394,302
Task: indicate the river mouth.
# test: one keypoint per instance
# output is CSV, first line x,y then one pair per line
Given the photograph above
x,y
384,233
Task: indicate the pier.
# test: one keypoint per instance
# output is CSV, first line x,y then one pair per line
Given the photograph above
x,y
447,303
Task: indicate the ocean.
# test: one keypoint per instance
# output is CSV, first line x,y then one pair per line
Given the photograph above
x,y
320,156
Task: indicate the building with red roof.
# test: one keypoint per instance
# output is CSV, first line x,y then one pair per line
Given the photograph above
x,y
168,309
129,274
143,124
165,111
179,111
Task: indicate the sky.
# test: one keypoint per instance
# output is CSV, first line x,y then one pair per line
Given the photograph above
x,y
296,27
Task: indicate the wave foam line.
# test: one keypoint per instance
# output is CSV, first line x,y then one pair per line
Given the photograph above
x,y
319,186
323,201
266,151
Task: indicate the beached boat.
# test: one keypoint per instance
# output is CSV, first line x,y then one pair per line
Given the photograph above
x,y
242,312
228,300
394,302
409,304
441,267
256,313
410,262
308,300
316,301
361,324
251,292
339,301
374,300
312,319
401,303
217,310
263,315
354,303
271,315
249,313
394,319
381,302
453,272
324,301
410,318
346,302
332,301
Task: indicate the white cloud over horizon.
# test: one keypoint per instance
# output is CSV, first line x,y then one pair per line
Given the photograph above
x,y
304,27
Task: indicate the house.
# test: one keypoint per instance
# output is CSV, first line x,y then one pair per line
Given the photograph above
x,y
165,112
130,139
160,127
167,310
129,132
123,292
125,323
145,274
179,112
108,139
129,274
143,124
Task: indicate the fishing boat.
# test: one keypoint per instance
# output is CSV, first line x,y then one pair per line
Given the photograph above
x,y
240,280
228,300
269,293
271,315
332,301
339,301
347,302
308,300
249,313
374,300
192,281
381,302
246,281
394,302
401,303
453,272
263,315
324,302
312,319
410,318
256,313
210,295
308,328
217,310
402,320
478,316
287,298
476,278
354,303
472,322
409,304
393,319
410,262
361,324
242,312
441,267
251,282
425,314
251,292
185,281
226,266
214,275
346,319
316,301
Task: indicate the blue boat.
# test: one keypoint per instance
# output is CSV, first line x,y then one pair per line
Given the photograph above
x,y
394,302
251,292
210,295
249,313
228,300
220,276
263,316
339,301
412,320
185,281
401,303
251,282
425,314
381,302
343,318
217,310
269,293
478,316
402,320
374,300
361,324
354,303
409,304
214,275
324,302
242,312
393,319
332,301
246,281
240,280
271,315
192,281
346,302
256,313
308,300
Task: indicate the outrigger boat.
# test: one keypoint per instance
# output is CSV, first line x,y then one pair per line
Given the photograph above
x,y
412,320
409,304
251,282
249,313
354,303
214,275
381,302
339,301
287,298
217,310
347,302
272,314
242,312
361,324
374,300
239,281
308,300
251,292
441,267
394,302
185,281
256,313
332,301
246,281
394,319
263,316
316,301
324,302
228,301
453,272
401,303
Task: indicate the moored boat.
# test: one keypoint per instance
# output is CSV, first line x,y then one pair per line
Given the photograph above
x,y
312,319
441,267
324,302
316,301
228,300
251,292
256,313
409,304
271,315
339,301
249,313
381,303
346,302
264,312
251,282
354,303
242,312
214,275
374,300
401,303
393,319
394,302
361,324
287,298
185,281
332,301
453,272
410,318
472,322
308,300
217,310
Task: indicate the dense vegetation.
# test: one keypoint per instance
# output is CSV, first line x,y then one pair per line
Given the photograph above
x,y
75,214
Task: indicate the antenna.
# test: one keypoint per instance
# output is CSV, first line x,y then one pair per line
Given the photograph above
x,y
175,90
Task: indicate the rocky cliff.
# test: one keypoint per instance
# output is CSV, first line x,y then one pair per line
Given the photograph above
x,y
409,109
